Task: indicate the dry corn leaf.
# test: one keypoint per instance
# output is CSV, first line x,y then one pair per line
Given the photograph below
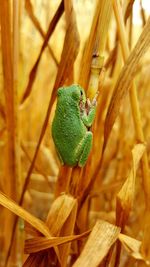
x,y
125,196
125,79
19,211
98,244
133,246
59,212
33,72
41,243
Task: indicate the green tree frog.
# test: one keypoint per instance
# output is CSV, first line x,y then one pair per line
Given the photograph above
x,y
73,118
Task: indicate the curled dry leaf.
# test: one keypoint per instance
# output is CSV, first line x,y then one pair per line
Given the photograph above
x,y
59,212
126,194
98,244
133,246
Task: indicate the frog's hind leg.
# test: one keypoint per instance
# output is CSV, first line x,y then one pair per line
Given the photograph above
x,y
86,145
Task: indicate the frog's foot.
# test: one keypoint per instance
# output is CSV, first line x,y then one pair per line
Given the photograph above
x,y
87,145
89,104
93,103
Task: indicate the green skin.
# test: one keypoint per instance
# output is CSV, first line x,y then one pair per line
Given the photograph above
x,y
70,127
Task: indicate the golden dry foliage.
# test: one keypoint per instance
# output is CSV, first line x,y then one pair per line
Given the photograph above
x,y
53,215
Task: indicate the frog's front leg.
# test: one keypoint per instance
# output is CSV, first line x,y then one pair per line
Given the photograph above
x,y
85,148
88,117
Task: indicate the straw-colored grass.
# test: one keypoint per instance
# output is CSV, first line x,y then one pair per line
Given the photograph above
x,y
54,215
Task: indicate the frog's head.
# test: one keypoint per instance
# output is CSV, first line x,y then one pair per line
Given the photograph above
x,y
76,92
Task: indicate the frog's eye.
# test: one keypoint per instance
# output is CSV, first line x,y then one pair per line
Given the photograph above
x,y
81,92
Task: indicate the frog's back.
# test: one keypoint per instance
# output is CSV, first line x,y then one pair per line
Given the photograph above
x,y
67,129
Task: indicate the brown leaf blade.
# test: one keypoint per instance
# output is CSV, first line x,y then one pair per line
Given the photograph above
x,y
99,242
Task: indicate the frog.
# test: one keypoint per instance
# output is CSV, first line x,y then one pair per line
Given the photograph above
x,y
71,125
